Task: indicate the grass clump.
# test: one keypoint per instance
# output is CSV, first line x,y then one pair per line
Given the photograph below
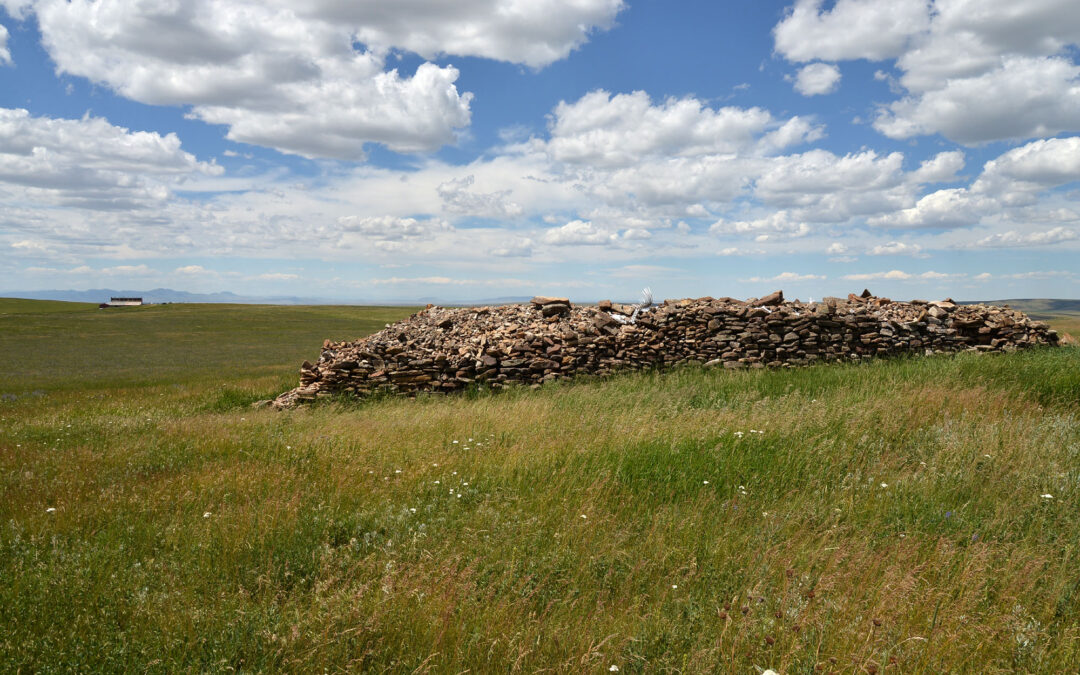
x,y
906,515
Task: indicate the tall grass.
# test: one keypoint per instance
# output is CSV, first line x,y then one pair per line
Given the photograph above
x,y
856,518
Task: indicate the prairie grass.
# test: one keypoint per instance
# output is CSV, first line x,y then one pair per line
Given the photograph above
x,y
881,517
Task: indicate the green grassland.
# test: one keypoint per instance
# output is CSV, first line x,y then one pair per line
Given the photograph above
x,y
912,515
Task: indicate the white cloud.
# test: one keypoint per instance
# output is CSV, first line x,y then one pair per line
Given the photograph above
x,y
391,228
521,248
785,277
451,281
892,275
86,270
955,207
817,79
534,33
896,248
1024,97
776,223
5,53
578,232
90,163
601,130
823,187
458,199
850,29
974,71
1044,163
275,276
899,275
288,75
837,248
941,168
1013,239
195,270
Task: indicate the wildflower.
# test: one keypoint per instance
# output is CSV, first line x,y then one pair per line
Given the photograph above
x,y
397,470
470,440
413,510
613,669
459,495
674,586
288,447
583,516
884,485
51,509
455,442
1047,496
705,482
206,515
436,482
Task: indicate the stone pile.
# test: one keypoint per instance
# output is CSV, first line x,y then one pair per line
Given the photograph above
x,y
442,350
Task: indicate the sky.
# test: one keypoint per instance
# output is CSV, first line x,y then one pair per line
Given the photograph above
x,y
365,150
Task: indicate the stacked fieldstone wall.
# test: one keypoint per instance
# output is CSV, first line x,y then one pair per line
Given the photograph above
x,y
442,350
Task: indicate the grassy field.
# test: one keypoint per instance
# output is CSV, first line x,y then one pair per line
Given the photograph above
x,y
915,515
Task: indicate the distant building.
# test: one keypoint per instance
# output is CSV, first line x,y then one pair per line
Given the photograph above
x,y
122,302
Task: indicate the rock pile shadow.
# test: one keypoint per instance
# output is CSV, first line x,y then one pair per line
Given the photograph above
x,y
442,350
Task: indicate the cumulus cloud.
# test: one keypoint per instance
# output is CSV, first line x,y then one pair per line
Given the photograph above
x,y
5,53
1012,238
90,163
817,79
530,33
1042,163
941,168
785,277
195,270
458,199
850,29
291,76
1024,97
777,223
955,207
579,233
391,228
614,131
895,248
900,275
974,71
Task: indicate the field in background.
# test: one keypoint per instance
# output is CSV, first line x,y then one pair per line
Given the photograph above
x,y
901,516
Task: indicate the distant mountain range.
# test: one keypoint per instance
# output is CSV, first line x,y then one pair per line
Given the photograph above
x,y
162,295
158,296
1037,307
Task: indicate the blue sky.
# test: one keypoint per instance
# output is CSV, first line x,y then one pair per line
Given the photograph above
x,y
485,148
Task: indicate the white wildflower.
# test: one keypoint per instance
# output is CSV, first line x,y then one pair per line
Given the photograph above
x,y
884,485
583,516
412,510
51,509
674,586
206,515
705,482
613,669
1047,496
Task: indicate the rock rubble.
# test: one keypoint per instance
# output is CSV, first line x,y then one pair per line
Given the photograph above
x,y
442,350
